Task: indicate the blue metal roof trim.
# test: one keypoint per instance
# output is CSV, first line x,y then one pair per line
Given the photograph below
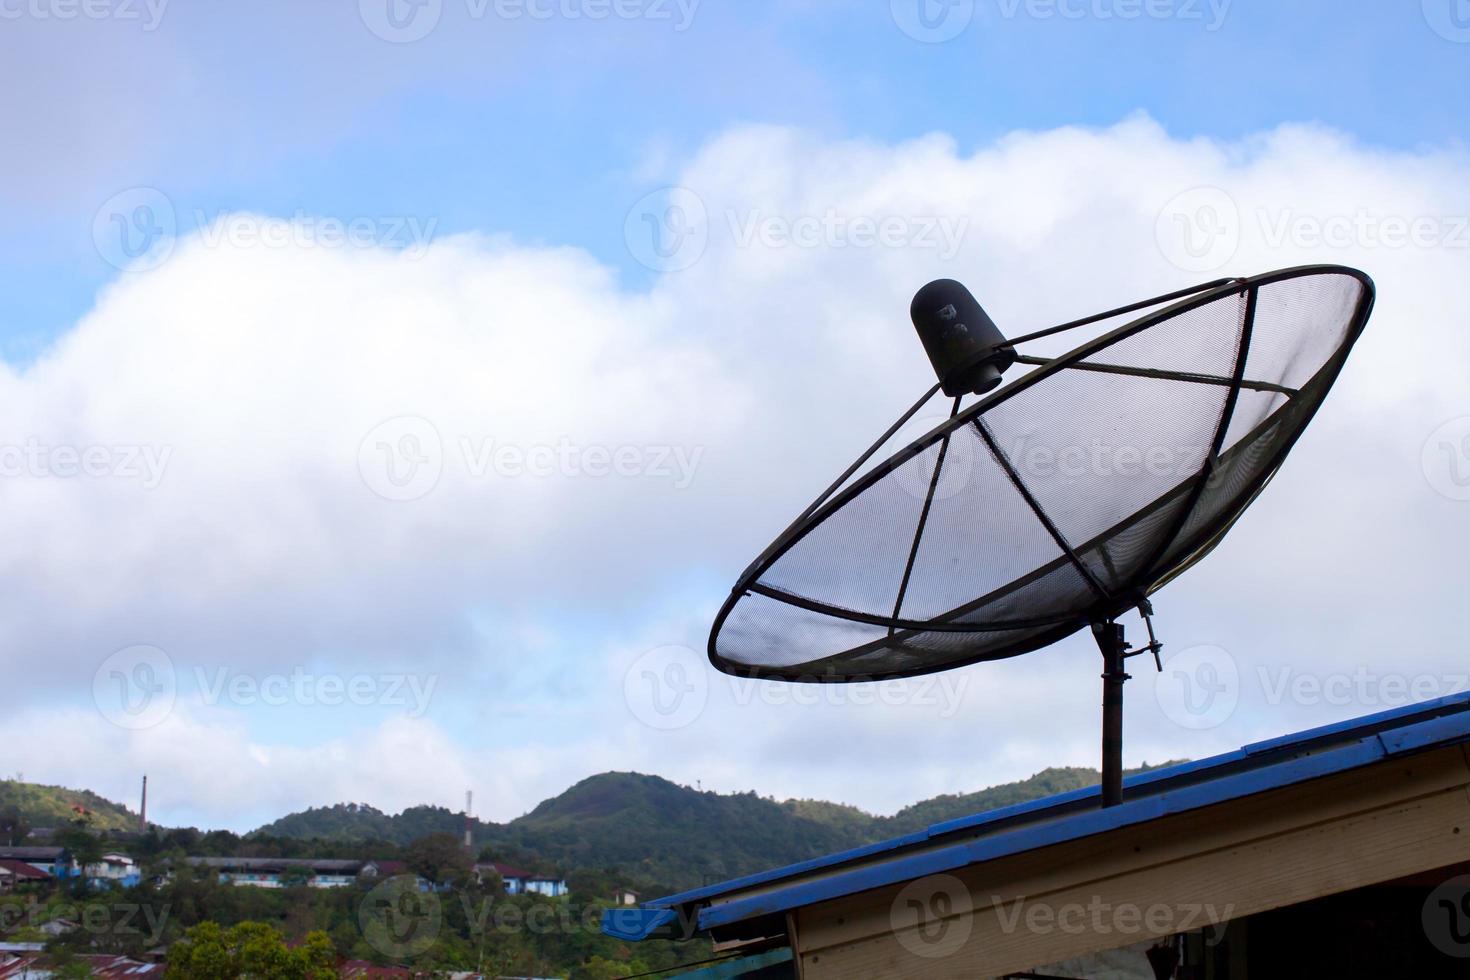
x,y
786,871
1449,703
1425,734
636,924
1085,824
1083,795
1228,776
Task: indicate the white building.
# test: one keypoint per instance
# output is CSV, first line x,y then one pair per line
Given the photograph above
x,y
114,867
55,861
283,872
520,882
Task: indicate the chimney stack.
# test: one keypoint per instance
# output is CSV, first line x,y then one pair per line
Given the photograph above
x,y
469,840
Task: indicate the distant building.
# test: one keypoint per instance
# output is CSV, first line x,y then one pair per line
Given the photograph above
x,y
58,927
338,873
114,868
548,885
262,872
363,970
625,896
28,965
281,872
394,869
54,861
518,881
13,873
17,949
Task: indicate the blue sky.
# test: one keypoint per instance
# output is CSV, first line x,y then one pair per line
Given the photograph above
x,y
514,151
550,129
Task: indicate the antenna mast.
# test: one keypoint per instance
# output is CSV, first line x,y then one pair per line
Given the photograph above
x,y
469,839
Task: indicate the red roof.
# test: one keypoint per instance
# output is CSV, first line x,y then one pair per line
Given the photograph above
x,y
118,967
363,970
22,870
507,871
105,966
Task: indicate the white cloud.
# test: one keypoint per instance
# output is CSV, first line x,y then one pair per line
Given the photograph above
x,y
261,371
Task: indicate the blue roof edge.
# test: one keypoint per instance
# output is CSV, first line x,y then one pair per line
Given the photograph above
x,y
636,924
1030,837
1367,739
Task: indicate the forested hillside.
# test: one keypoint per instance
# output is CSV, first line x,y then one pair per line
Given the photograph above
x,y
665,835
34,805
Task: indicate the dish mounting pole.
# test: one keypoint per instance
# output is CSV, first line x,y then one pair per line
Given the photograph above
x,y
1113,644
1110,640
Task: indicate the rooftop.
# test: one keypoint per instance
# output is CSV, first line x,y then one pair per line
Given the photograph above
x,y
101,965
328,865
510,871
748,905
21,869
32,853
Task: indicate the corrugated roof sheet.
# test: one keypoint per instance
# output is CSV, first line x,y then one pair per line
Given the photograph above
x,y
32,853
107,967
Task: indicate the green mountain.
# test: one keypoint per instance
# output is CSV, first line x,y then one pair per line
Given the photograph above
x,y
358,821
1048,782
665,836
656,831
34,805
638,829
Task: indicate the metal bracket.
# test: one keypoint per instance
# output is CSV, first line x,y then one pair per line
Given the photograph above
x,y
1146,610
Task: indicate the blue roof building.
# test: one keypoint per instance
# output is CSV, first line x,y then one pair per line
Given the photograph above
x,y
1338,851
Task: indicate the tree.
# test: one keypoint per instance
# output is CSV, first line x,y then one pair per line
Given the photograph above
x,y
598,968
439,858
13,826
65,965
251,950
294,876
84,846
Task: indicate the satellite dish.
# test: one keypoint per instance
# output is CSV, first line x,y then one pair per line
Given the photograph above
x,y
1056,502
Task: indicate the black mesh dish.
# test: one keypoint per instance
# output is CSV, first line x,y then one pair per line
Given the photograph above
x,y
1064,498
